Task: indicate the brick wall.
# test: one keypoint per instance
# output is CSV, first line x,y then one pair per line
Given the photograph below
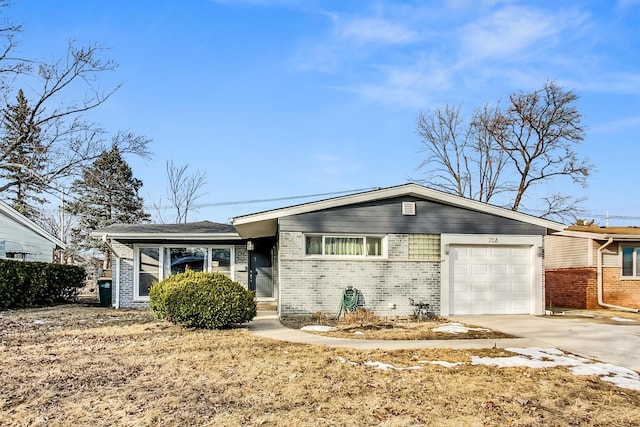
x,y
571,288
310,285
618,291
577,288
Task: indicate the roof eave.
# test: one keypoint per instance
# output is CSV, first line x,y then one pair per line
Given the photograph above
x,y
167,236
387,193
21,219
598,236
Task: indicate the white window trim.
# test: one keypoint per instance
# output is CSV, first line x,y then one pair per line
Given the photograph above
x,y
634,260
382,237
161,273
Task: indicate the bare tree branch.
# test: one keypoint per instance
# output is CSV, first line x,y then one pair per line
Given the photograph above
x,y
183,190
533,140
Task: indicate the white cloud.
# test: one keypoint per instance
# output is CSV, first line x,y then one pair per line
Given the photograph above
x,y
373,30
514,30
406,86
617,125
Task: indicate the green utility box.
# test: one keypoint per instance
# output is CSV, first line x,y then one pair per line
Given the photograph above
x,y
104,290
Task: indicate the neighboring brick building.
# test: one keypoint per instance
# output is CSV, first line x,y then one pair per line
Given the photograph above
x,y
582,259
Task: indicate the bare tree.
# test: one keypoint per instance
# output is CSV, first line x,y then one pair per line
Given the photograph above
x,y
463,158
10,66
67,141
530,142
182,192
543,127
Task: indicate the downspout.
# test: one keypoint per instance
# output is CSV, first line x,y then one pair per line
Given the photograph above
x,y
117,282
116,270
600,280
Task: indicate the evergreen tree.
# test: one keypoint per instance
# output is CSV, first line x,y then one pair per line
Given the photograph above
x,y
107,194
25,157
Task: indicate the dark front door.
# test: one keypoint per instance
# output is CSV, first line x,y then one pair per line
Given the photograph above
x,y
261,279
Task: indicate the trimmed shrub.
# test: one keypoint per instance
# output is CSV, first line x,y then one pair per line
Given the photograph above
x,y
33,284
202,300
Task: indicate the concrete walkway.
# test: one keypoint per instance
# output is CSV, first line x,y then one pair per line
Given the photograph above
x,y
267,325
618,344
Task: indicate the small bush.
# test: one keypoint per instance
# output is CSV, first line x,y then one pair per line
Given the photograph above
x,y
202,300
32,284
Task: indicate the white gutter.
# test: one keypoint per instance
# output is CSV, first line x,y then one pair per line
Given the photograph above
x,y
115,259
600,299
116,280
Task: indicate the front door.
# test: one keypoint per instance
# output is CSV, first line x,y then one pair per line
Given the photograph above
x,y
261,278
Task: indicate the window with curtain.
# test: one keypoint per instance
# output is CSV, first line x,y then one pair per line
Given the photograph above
x,y
363,246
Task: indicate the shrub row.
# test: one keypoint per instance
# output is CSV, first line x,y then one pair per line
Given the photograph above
x,y
202,300
32,284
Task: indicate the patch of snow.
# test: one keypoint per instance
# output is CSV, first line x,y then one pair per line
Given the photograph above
x,y
358,333
457,328
622,319
40,322
385,366
343,360
318,328
622,377
536,357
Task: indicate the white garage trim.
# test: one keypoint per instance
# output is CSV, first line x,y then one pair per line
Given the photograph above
x,y
533,242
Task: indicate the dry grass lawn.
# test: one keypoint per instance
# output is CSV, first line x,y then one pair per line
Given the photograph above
x,y
367,326
75,365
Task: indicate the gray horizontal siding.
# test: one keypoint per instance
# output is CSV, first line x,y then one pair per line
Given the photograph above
x,y
385,216
40,248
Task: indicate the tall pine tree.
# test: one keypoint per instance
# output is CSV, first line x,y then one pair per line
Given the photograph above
x,y
107,194
25,158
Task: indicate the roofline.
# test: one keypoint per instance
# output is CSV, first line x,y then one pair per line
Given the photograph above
x,y
165,236
23,220
598,236
396,191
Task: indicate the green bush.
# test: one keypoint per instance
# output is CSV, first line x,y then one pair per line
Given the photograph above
x,y
202,300
32,284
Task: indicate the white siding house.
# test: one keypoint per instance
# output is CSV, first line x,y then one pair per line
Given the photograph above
x,y
23,239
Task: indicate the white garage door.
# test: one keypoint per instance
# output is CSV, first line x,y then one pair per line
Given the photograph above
x,y
490,279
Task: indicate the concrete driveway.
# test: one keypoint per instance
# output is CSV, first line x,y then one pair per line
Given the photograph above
x,y
613,342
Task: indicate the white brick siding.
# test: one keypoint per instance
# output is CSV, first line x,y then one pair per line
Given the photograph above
x,y
308,285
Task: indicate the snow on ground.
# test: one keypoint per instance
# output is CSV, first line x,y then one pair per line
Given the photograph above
x,y
318,328
622,319
536,357
456,328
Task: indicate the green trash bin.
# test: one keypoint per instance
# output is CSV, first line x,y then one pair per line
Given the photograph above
x,y
104,290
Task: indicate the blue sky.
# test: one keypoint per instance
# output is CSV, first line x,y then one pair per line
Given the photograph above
x,y
284,98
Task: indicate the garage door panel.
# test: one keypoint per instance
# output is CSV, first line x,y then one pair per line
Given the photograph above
x,y
519,269
499,287
499,252
461,269
499,269
479,287
477,269
479,252
462,288
490,279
